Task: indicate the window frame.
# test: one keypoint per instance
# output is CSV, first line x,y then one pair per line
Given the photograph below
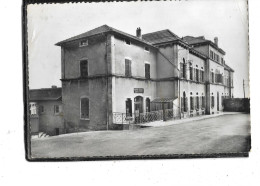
x,y
147,50
56,106
145,71
80,114
80,71
129,67
83,45
126,41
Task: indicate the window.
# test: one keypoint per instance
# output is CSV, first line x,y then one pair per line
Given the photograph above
x,y
198,103
202,75
83,43
84,108
212,101
222,61
184,103
212,77
211,54
128,71
127,41
56,109
197,74
41,109
191,103
147,49
217,58
147,71
191,73
184,69
181,70
203,102
147,103
128,105
84,68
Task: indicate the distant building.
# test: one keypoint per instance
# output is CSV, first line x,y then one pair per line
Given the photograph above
x,y
111,77
45,110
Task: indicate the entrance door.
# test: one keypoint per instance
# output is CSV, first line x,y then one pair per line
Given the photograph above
x,y
138,108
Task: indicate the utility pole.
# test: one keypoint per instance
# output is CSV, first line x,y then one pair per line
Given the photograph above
x,y
244,87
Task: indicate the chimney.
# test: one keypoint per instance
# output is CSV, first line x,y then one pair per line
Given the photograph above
x,y
53,86
216,40
138,33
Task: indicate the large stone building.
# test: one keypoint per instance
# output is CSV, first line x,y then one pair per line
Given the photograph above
x,y
111,77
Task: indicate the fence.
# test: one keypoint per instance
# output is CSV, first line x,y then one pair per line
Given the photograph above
x,y
134,118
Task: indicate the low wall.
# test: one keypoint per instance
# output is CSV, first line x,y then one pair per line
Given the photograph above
x,y
237,105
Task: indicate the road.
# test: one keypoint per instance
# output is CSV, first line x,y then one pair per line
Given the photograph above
x,y
222,134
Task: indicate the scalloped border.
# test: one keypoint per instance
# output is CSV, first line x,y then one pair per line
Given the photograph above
x,y
27,140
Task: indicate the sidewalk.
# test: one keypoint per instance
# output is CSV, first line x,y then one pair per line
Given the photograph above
x,y
184,120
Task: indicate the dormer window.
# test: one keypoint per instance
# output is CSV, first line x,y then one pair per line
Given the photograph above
x,y
147,49
83,43
127,41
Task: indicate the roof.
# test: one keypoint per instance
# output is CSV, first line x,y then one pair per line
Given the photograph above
x,y
162,100
160,36
228,68
201,40
101,30
45,94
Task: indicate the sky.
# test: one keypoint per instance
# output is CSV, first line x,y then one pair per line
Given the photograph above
x,y
51,23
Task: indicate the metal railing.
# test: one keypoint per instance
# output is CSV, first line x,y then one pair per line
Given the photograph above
x,y
135,118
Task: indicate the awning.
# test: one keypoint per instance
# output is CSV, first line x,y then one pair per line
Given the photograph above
x,y
162,100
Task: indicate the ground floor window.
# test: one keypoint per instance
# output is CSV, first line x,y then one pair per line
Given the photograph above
x,y
191,103
184,103
147,104
212,101
128,104
198,103
84,108
41,109
203,101
56,109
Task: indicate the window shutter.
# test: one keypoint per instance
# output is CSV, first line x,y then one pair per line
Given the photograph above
x,y
84,108
186,104
147,71
127,67
84,68
181,70
185,70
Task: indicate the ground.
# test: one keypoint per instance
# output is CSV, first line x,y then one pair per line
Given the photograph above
x,y
222,134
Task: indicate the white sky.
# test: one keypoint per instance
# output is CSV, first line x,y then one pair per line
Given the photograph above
x,y
51,23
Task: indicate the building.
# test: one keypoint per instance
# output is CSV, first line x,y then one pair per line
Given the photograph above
x,y
110,77
45,110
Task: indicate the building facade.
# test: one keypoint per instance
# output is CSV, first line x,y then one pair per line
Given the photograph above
x,y
45,111
111,77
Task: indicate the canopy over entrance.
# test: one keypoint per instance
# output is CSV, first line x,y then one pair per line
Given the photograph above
x,y
163,100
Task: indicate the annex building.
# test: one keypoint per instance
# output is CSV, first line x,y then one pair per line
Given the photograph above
x,y
110,78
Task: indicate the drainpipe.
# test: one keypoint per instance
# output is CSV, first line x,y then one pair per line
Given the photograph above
x,y
107,84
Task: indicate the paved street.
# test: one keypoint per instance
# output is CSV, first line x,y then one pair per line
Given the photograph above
x,y
222,134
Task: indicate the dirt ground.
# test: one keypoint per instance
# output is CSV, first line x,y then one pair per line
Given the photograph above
x,y
223,134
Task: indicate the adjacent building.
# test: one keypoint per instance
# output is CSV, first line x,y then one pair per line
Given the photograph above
x,y
45,111
110,77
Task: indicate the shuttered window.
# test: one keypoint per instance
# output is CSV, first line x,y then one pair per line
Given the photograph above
x,y
186,105
182,104
191,73
202,75
212,77
191,103
212,101
84,68
197,75
198,103
128,67
56,109
203,102
181,70
184,70
147,71
84,108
